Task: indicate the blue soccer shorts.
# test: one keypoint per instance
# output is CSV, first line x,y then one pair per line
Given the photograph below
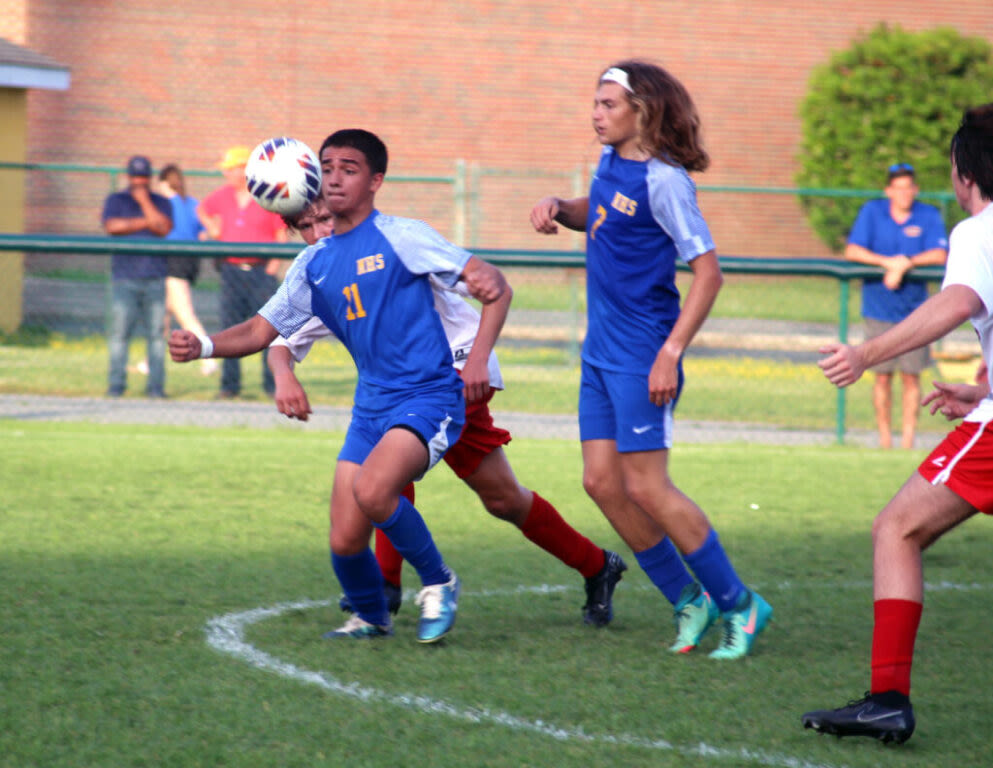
x,y
435,417
616,406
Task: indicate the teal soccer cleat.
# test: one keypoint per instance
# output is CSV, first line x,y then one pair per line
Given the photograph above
x,y
742,626
439,603
693,615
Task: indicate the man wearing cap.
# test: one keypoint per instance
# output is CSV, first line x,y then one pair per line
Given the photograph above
x,y
896,233
230,214
137,280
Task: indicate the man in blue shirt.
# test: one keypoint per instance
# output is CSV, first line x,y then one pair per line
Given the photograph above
x,y
897,233
137,281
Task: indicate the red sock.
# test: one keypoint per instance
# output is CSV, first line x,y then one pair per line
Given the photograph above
x,y
390,561
546,528
893,636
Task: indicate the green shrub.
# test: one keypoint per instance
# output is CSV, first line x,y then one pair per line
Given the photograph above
x,y
893,96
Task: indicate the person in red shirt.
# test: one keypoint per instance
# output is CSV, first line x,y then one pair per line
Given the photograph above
x,y
230,214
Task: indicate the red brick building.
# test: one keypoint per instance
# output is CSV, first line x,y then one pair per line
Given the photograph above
x,y
503,86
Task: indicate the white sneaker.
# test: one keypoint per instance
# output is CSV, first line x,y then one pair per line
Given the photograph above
x,y
208,367
142,367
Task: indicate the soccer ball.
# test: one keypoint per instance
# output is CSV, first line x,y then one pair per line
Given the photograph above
x,y
284,175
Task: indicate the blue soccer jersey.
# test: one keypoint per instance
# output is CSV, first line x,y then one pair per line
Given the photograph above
x,y
875,230
642,216
370,287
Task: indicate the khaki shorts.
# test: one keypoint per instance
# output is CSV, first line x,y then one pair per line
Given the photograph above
x,y
916,361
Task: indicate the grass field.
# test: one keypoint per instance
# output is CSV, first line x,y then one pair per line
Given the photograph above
x,y
134,562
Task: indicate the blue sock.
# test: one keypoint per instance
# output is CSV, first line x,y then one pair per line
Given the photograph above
x,y
665,568
715,572
362,582
408,532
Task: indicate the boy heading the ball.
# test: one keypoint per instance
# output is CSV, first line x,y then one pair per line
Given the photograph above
x,y
478,457
369,283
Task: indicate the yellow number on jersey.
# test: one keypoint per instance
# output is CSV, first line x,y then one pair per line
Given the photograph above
x,y
601,214
352,297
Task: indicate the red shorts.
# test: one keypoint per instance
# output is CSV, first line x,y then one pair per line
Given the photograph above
x,y
478,440
963,462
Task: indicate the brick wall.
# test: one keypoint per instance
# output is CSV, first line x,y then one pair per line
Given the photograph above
x,y
503,85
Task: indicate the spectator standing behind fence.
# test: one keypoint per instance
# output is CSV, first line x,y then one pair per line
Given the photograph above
x,y
182,270
897,233
231,214
137,281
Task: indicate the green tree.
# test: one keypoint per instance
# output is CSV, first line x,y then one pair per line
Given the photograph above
x,y
893,96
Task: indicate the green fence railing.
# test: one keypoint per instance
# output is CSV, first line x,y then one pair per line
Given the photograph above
x,y
842,271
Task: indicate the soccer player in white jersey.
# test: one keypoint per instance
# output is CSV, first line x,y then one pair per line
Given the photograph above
x,y
641,215
956,480
369,283
478,457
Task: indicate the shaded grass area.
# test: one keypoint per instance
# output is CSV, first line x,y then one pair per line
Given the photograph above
x,y
118,545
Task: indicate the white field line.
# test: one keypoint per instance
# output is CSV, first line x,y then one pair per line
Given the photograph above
x,y
227,635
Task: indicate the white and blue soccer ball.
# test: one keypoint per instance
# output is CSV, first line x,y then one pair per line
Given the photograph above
x,y
284,175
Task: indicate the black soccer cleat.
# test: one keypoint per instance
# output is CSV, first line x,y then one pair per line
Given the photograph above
x,y
394,596
599,608
885,716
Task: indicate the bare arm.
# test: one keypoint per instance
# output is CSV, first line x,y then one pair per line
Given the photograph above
x,y
569,213
476,372
940,314
290,396
663,380
253,335
211,224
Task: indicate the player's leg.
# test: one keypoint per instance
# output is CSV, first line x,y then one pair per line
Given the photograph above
x,y
390,564
353,561
423,430
882,401
911,395
745,612
916,517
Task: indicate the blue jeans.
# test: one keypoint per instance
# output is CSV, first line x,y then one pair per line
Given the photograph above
x,y
243,292
130,300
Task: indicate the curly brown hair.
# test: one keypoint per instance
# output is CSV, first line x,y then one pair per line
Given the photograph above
x,y
668,123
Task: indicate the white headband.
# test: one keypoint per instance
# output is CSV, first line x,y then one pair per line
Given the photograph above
x,y
619,76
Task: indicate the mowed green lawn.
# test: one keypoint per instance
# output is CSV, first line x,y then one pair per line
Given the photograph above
x,y
133,562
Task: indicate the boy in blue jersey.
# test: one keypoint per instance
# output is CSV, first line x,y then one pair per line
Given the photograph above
x,y
369,283
897,233
640,215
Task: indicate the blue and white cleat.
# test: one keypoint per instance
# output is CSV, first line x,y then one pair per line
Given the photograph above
x,y
359,629
438,603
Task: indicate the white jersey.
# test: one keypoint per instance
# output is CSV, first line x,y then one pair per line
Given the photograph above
x,y
458,319
970,263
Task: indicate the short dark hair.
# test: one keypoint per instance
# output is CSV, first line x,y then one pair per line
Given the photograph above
x,y
366,142
972,148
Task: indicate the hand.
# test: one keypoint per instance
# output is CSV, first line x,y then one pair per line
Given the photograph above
x,y
184,346
484,282
894,270
843,366
663,379
291,398
953,400
543,216
476,378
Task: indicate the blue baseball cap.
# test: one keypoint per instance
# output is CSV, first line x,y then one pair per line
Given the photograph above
x,y
139,165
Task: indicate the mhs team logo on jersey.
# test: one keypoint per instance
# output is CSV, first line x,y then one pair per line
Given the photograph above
x,y
369,264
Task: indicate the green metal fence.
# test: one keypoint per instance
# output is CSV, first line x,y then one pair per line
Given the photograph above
x,y
841,271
